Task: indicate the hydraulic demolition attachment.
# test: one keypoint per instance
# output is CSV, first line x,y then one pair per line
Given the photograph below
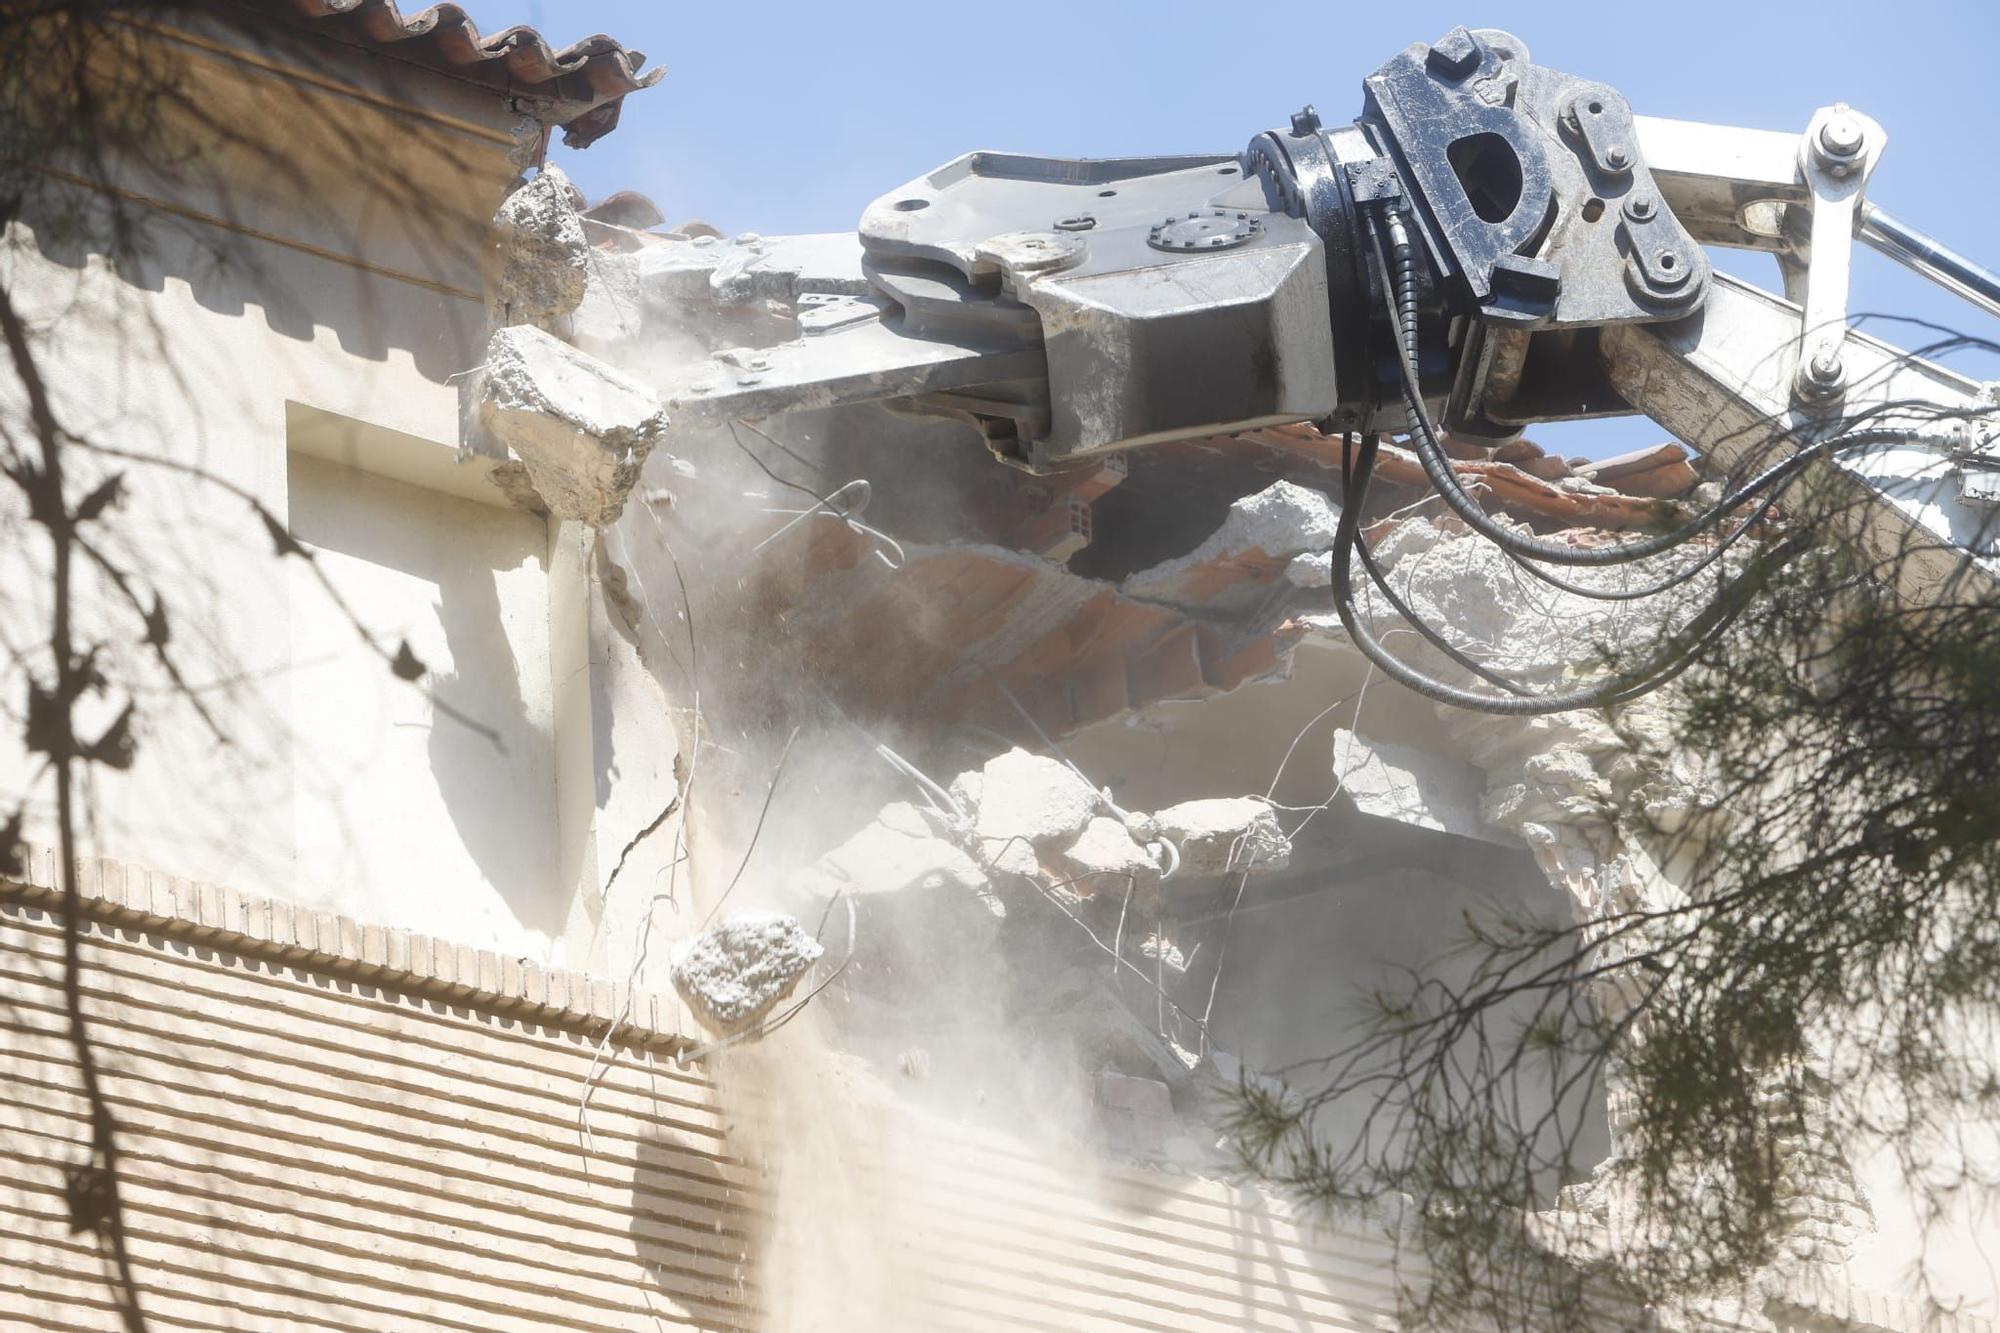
x,y
1489,244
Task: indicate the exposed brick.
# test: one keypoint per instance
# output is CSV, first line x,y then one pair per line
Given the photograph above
x,y
347,932
464,969
375,946
402,950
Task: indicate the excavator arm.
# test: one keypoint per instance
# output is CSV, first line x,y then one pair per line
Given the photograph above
x,y
1490,244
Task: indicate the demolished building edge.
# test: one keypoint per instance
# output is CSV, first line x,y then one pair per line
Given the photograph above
x,y
1546,785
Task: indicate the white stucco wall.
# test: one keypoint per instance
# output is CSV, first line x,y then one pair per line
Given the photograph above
x,y
289,338
433,807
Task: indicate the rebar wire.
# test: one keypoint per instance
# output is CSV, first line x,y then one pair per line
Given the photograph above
x,y
1359,697
1118,940
764,467
932,792
1048,892
757,832
848,514
822,501
989,863
780,445
826,506
855,525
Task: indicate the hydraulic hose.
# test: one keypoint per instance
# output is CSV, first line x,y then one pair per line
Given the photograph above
x,y
1710,623
1778,478
1398,259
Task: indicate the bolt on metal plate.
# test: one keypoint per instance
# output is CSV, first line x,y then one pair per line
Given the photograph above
x,y
1210,229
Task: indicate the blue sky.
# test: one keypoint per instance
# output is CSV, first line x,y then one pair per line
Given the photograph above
x,y
778,116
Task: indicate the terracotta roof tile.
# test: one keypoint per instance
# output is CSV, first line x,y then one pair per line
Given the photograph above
x,y
584,83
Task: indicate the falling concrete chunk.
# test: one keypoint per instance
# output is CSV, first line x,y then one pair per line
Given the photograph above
x,y
1029,803
581,429
965,789
734,973
1412,786
544,258
1105,859
1224,834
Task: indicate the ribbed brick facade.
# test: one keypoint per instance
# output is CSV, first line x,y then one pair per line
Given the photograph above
x,y
328,1126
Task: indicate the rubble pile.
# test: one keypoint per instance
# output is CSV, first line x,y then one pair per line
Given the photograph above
x,y
1028,820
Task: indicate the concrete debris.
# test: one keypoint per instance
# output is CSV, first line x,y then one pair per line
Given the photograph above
x,y
901,850
1548,467
1412,787
1156,945
899,853
1105,859
1468,584
1029,803
736,972
543,257
612,313
510,477
1572,500
1223,835
581,429
1314,569
966,790
1260,536
924,906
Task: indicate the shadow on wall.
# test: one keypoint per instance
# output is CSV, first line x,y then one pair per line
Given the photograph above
x,y
490,745
1377,902
692,1231
232,273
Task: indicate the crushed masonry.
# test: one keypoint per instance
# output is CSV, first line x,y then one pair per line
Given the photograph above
x,y
1105,857
1028,804
1406,784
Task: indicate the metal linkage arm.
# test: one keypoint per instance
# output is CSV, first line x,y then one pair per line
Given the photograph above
x,y
1922,255
1724,382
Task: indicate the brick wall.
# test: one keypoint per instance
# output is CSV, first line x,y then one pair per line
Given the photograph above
x,y
316,1142
357,1131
